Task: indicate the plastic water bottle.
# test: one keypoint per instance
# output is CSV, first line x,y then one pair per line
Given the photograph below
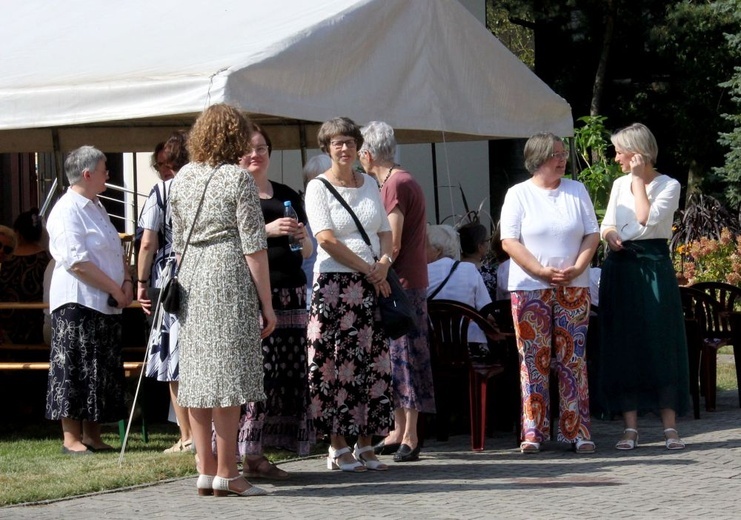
x,y
294,243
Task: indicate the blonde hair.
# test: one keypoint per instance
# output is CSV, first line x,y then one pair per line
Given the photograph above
x,y
445,238
637,139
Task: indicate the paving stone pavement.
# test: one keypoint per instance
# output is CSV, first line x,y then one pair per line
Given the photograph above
x,y
452,482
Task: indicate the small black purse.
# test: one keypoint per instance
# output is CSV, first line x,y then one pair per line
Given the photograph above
x,y
170,293
397,315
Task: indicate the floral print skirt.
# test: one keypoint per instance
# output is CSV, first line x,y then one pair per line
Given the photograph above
x,y
86,376
349,364
411,367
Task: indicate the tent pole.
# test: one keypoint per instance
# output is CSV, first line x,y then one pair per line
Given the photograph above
x,y
434,183
58,161
302,141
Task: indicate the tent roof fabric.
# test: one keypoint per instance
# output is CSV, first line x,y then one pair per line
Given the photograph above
x,y
122,72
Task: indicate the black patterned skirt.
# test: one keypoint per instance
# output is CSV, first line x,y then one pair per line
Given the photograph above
x,y
86,376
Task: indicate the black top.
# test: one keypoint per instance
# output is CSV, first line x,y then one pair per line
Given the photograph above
x,y
284,264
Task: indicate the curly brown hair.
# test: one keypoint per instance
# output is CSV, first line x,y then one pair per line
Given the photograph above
x,y
220,135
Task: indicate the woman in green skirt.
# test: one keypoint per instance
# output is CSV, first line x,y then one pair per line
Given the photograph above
x,y
643,349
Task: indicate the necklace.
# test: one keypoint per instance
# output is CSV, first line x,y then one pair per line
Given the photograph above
x,y
388,175
344,183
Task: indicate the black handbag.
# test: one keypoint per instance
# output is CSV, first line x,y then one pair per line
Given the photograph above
x,y
397,315
170,293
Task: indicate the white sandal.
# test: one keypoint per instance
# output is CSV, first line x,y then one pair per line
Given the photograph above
x,y
673,443
529,447
373,464
584,446
627,444
333,461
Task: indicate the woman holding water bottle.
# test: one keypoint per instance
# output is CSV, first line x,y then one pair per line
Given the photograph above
x,y
282,420
550,231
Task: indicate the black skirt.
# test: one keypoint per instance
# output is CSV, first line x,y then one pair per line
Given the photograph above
x,y
642,356
86,376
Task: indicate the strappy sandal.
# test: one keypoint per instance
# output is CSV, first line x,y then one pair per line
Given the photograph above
x,y
584,446
180,446
529,447
263,468
373,464
673,443
628,444
333,461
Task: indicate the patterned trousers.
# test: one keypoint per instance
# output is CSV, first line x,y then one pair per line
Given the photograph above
x,y
551,326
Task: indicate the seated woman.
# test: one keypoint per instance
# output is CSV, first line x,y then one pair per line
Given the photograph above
x,y
22,278
460,281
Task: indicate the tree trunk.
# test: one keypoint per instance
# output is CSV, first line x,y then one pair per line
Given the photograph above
x,y
599,78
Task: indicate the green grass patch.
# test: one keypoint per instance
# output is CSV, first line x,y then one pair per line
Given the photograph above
x,y
33,467
727,371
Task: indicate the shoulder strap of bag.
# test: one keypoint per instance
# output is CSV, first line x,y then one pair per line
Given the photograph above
x,y
344,203
198,212
440,287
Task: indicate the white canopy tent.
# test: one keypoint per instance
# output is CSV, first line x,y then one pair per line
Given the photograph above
x,y
121,75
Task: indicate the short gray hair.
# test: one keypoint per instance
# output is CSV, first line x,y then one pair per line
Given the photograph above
x,y
637,139
84,158
445,238
379,140
314,166
538,150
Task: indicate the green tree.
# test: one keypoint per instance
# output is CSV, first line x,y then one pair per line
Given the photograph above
x,y
596,168
730,172
657,62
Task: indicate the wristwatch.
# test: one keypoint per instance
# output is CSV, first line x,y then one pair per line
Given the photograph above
x,y
391,260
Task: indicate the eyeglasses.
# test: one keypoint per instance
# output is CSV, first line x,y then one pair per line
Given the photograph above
x,y
560,155
259,150
350,143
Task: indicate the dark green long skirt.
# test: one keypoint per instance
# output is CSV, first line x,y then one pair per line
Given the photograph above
x,y
642,354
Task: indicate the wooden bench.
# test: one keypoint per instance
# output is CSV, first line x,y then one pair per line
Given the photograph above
x,y
131,368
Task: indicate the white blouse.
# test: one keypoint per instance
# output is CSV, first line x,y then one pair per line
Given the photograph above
x,y
465,285
80,230
325,212
551,224
663,194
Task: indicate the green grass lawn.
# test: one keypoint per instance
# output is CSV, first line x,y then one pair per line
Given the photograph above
x,y
32,467
727,372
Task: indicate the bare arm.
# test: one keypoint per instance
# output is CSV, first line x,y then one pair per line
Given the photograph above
x,y
92,275
340,252
525,259
147,251
583,259
396,220
258,265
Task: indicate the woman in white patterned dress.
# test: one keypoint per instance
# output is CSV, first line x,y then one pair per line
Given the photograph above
x,y
225,286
